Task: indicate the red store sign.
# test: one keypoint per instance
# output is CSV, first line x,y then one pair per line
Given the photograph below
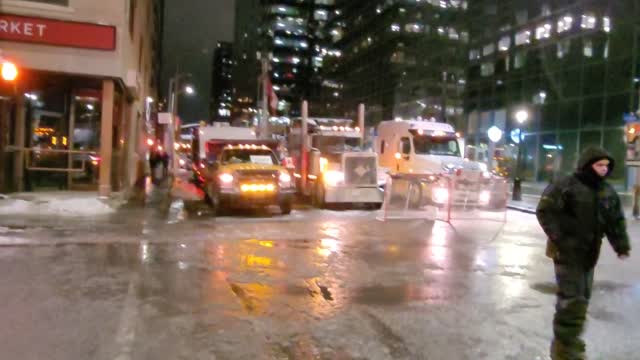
x,y
57,32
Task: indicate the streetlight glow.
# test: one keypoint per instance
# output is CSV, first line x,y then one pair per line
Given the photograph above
x,y
189,89
9,71
495,134
522,116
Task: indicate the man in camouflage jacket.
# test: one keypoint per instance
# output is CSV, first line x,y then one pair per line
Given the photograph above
x,y
576,212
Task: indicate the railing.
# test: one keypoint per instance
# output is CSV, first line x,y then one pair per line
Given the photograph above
x,y
38,159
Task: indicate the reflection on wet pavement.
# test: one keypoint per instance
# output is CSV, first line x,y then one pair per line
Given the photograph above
x,y
318,286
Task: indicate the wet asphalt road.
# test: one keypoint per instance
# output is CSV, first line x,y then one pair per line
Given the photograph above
x,y
159,284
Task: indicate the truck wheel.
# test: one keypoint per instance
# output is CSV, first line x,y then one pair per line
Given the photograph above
x,y
318,198
213,199
285,207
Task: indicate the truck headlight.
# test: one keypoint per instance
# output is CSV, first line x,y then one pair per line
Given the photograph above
x,y
449,169
333,178
440,195
285,179
484,198
226,180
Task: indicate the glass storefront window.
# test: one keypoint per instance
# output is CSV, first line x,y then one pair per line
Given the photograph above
x,y
590,138
569,143
612,142
549,158
616,106
86,138
529,155
569,115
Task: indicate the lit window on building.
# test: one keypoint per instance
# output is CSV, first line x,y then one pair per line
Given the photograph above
x,y
565,24
588,48
606,24
321,14
546,10
588,21
487,69
453,34
543,31
505,43
564,47
523,37
395,27
522,17
488,49
397,57
520,59
414,28
474,54
464,35
540,97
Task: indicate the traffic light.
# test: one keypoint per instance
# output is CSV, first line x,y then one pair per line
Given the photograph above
x,y
9,71
632,130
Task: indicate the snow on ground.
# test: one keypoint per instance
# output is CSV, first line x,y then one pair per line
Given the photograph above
x,y
54,204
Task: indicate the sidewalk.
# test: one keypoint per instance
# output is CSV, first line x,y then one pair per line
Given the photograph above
x,y
531,196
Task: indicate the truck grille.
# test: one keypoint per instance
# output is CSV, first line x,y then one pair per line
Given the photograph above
x,y
360,170
266,176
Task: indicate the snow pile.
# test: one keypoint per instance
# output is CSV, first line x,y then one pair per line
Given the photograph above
x,y
61,206
15,206
77,207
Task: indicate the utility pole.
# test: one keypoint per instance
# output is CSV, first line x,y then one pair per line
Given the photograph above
x,y
264,119
636,144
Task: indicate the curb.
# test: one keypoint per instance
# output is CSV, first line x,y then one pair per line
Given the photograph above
x,y
522,209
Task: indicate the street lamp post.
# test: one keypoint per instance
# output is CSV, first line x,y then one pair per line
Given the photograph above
x,y
174,94
521,117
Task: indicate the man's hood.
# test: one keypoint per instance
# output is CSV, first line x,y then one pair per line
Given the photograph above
x,y
592,155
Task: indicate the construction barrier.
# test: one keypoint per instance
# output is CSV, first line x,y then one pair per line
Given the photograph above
x,y
444,198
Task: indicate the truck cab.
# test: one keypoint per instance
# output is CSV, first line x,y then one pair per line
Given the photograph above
x,y
236,170
331,165
421,147
433,148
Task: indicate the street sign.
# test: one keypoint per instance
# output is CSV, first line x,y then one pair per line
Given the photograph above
x,y
164,118
630,117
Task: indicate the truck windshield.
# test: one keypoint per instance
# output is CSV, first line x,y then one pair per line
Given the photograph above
x,y
335,144
253,156
436,145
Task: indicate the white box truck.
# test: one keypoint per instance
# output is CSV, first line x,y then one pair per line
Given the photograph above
x,y
426,147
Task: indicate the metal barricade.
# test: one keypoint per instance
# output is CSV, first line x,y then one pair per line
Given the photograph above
x,y
415,196
444,198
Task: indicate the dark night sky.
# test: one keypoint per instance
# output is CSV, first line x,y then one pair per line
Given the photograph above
x,y
191,30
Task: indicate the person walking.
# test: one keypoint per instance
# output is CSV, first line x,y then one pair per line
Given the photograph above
x,y
576,212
